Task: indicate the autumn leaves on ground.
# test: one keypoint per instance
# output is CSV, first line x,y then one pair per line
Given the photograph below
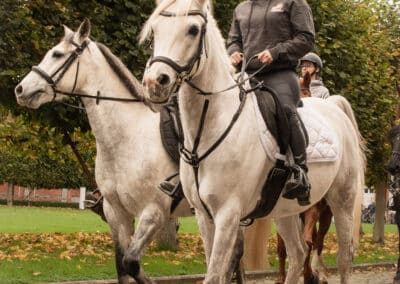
x,y
99,247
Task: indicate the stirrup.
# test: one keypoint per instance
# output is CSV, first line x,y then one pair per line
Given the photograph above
x,y
95,203
297,186
172,190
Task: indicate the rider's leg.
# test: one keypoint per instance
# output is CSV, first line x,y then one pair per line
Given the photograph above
x,y
286,85
297,185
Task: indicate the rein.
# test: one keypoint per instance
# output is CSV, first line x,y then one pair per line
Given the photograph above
x,y
65,67
192,157
184,71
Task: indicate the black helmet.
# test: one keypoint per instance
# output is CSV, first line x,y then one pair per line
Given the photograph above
x,y
314,58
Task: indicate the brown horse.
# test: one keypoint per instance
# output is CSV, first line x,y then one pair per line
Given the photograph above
x,y
305,85
319,212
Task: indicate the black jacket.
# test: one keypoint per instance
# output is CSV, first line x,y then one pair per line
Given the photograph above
x,y
284,27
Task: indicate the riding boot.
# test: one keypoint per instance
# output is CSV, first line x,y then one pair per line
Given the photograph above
x,y
297,185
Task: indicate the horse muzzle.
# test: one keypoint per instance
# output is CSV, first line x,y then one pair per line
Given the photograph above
x,y
158,89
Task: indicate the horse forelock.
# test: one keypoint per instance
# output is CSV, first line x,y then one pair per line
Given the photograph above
x,y
120,70
68,37
181,7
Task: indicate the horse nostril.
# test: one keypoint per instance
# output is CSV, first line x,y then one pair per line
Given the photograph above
x,y
18,90
163,79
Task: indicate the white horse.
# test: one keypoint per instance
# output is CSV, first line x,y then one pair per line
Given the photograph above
x,y
224,165
131,160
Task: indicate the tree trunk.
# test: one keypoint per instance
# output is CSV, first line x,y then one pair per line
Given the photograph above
x,y
380,207
256,237
10,194
167,238
85,168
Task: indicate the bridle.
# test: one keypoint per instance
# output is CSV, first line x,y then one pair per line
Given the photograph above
x,y
62,70
184,72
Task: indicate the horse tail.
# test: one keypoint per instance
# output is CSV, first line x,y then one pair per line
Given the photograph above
x,y
345,106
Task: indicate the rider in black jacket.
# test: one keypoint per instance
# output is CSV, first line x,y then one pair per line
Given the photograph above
x,y
279,32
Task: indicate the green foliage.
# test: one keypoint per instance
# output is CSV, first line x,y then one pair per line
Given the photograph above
x,y
356,42
359,42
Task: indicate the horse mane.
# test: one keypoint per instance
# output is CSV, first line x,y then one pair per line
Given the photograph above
x,y
147,30
305,85
123,73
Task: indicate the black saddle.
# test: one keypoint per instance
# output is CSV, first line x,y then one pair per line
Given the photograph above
x,y
169,131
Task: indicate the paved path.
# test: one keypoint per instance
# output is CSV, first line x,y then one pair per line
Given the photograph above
x,y
362,274
364,277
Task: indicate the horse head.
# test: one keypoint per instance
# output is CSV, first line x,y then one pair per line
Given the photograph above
x,y
305,82
394,163
57,73
180,46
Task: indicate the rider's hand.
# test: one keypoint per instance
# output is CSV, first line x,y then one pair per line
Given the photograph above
x,y
236,58
265,57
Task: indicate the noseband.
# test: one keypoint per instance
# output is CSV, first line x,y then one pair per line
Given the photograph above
x,y
63,69
184,71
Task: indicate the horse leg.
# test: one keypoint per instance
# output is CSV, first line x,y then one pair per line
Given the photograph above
x,y
310,220
325,220
281,249
290,229
226,222
207,230
151,221
343,213
236,263
121,225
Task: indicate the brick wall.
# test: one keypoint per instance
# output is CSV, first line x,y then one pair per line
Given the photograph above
x,y
50,195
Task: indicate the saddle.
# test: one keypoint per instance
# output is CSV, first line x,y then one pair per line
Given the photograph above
x,y
169,131
275,118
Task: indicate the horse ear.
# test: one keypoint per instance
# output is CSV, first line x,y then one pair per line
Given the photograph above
x,y
158,2
67,31
84,30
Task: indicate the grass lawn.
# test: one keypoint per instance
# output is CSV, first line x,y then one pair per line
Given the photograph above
x,y
48,244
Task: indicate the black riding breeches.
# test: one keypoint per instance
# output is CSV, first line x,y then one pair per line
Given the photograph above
x,y
286,84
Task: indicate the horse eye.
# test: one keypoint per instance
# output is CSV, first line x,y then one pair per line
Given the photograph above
x,y
58,54
194,30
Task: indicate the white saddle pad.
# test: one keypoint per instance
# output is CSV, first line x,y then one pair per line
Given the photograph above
x,y
323,143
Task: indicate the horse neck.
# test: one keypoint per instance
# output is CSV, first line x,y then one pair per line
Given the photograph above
x,y
110,119
215,76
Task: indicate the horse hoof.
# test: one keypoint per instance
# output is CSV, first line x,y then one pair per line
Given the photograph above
x,y
313,280
132,266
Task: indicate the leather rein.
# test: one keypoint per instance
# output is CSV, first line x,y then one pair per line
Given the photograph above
x,y
185,74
